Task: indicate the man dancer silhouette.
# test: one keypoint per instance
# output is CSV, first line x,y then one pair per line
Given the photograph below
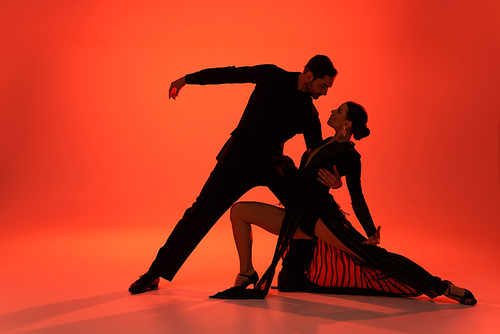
x,y
280,107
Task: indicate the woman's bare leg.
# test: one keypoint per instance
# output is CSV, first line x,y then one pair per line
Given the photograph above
x,y
245,214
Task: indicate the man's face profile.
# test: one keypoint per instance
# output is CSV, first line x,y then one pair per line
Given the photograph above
x,y
319,86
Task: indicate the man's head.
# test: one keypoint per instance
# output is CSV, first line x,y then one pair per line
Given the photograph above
x,y
318,75
320,66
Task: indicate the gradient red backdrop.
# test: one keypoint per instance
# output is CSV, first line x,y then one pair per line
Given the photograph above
x,y
90,140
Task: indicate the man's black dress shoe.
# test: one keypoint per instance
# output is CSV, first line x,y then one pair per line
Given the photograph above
x,y
144,283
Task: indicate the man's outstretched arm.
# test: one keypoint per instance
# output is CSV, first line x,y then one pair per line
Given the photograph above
x,y
226,75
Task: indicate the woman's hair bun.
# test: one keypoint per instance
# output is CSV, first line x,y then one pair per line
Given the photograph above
x,y
360,133
358,116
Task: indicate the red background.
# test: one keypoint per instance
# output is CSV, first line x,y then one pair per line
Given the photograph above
x,y
90,141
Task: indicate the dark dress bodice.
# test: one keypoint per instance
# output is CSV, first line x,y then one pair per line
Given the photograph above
x,y
309,194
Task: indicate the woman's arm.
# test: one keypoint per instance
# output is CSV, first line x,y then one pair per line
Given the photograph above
x,y
353,181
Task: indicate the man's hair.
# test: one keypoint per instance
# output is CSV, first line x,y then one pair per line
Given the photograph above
x,y
320,66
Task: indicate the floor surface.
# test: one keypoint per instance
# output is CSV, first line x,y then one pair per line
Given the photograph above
x,y
76,282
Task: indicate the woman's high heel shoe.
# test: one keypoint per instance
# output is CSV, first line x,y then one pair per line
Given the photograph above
x,y
241,291
466,299
252,279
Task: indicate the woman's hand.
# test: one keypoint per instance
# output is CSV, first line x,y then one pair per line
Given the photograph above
x,y
374,239
328,179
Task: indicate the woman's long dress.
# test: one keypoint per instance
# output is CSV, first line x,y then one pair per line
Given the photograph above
x,y
376,271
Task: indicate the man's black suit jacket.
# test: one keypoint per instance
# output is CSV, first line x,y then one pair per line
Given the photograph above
x,y
276,111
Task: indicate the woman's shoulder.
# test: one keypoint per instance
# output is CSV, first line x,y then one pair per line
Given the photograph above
x,y
353,150
349,149
341,153
350,156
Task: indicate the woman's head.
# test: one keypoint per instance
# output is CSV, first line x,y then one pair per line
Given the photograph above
x,y
352,117
358,116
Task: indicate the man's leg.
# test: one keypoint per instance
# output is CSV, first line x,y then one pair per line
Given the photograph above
x,y
221,190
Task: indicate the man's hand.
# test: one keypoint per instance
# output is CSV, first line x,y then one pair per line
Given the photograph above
x,y
328,179
374,239
175,87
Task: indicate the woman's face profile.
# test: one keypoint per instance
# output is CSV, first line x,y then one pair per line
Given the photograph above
x,y
338,117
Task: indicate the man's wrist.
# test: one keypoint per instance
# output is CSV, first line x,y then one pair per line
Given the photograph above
x,y
340,185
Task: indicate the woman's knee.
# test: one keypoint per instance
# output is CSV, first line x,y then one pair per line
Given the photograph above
x,y
237,211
